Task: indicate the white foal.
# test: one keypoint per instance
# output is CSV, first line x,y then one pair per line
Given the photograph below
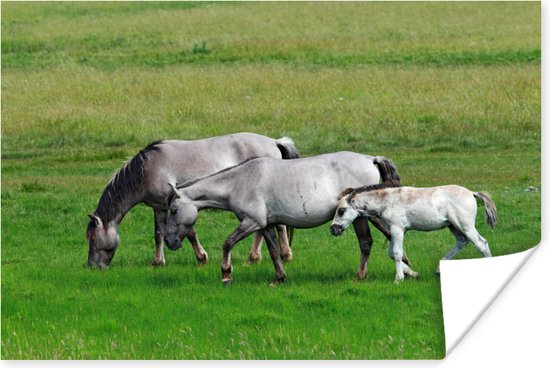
x,y
425,209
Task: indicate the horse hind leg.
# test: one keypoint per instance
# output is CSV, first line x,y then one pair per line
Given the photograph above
x,y
160,223
200,253
255,255
286,252
274,252
461,242
479,242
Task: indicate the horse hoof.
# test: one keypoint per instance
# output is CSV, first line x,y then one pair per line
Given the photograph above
x,y
277,282
158,262
397,281
174,247
253,260
414,275
227,282
286,257
202,261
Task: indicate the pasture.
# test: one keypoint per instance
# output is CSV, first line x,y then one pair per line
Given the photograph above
x,y
449,91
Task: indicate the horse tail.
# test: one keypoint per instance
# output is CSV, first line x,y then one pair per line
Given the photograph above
x,y
387,169
287,148
289,152
490,209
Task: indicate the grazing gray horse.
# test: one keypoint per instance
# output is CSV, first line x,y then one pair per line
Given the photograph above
x,y
426,209
143,180
264,192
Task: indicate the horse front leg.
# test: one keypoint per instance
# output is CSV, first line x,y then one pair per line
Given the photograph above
x,y
284,245
396,249
396,253
245,228
160,224
384,230
362,231
200,253
274,252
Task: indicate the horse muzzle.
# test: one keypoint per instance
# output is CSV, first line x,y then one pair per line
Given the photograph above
x,y
173,245
98,266
336,230
100,259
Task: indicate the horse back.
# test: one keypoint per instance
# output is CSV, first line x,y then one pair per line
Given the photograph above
x,y
178,161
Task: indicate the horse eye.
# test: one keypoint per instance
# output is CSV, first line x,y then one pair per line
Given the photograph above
x,y
173,211
341,211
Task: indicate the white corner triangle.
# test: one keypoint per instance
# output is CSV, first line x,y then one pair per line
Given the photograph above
x,y
469,286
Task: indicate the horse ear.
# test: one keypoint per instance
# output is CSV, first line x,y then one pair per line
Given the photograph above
x,y
174,190
96,220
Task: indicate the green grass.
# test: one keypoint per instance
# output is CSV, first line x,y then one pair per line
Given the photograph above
x,y
85,86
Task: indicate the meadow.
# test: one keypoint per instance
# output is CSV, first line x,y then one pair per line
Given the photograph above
x,y
449,91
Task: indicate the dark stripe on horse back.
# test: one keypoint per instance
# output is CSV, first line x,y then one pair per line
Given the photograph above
x,y
368,188
193,181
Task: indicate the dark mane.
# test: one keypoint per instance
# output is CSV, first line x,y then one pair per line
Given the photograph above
x,y
352,192
125,182
188,183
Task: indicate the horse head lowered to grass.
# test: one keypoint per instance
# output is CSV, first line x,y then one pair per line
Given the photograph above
x,y
143,180
264,193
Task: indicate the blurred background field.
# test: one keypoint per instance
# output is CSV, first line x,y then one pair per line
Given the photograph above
x,y
449,91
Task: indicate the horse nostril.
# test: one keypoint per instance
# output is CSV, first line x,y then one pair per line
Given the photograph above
x,y
335,230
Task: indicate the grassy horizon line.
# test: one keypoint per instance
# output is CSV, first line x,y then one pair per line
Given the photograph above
x,y
37,55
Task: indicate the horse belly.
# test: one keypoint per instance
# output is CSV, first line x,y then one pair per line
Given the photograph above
x,y
302,214
302,221
426,220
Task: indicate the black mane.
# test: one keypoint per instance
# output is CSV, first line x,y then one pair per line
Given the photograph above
x,y
124,183
351,193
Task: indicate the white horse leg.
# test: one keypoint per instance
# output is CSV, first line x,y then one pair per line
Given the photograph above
x,y
396,246
286,252
407,269
479,242
160,224
382,228
255,255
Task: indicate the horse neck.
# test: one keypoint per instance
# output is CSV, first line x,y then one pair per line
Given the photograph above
x,y
371,202
112,208
210,193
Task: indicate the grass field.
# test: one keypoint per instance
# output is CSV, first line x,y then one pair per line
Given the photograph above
x,y
449,91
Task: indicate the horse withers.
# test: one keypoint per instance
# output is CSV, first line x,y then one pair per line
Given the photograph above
x,y
143,180
407,208
264,193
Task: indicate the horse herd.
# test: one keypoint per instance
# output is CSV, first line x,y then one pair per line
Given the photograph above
x,y
269,187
